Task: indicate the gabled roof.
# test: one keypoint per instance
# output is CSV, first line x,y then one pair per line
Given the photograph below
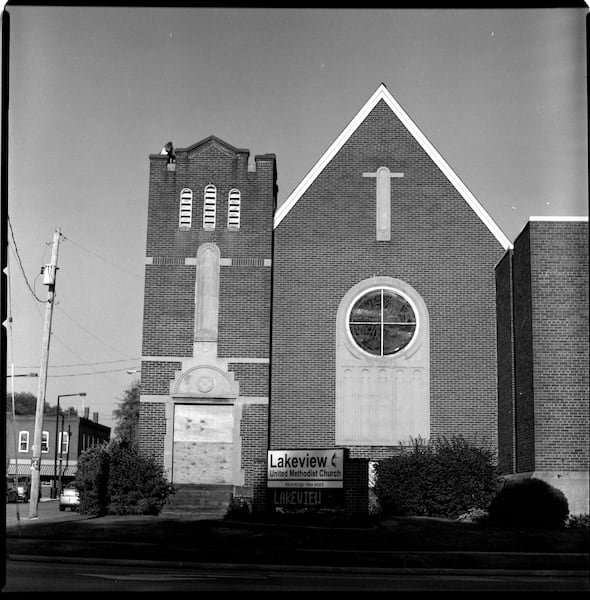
x,y
211,140
383,94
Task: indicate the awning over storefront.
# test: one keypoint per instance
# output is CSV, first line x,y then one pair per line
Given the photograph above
x,y
47,470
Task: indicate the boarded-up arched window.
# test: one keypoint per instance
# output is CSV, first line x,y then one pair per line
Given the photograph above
x,y
185,214
209,207
233,209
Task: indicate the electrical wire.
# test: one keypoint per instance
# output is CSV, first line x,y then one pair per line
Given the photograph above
x,y
91,373
15,249
102,258
63,312
83,364
52,334
9,294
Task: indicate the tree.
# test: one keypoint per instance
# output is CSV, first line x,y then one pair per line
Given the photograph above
x,y
25,403
127,415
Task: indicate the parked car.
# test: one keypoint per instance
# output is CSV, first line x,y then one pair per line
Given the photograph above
x,y
11,492
69,497
24,490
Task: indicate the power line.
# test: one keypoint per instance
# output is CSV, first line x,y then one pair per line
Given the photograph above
x,y
78,356
103,258
84,329
83,364
15,248
91,373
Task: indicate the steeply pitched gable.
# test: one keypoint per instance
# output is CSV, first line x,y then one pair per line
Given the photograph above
x,y
383,94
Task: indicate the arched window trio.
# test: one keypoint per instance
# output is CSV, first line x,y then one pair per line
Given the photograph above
x,y
185,213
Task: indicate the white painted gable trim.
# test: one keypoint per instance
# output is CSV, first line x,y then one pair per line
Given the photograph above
x,y
383,94
580,219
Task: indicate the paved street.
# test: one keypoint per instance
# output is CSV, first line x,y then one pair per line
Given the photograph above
x,y
84,577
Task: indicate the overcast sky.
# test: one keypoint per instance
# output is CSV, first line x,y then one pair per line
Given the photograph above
x,y
501,94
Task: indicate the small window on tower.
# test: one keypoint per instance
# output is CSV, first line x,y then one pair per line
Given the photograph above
x,y
186,208
209,207
233,209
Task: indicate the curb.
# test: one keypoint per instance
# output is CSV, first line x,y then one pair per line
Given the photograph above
x,y
301,568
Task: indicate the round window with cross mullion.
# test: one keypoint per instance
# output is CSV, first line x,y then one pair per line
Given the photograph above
x,y
382,322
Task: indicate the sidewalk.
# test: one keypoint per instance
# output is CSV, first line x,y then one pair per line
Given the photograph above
x,y
403,543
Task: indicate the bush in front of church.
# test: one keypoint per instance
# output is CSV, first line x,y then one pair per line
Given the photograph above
x,y
136,485
443,478
116,479
529,503
92,480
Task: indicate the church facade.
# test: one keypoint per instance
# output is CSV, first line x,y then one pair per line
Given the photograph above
x,y
374,307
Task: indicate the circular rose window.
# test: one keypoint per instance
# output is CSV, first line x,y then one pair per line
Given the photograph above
x,y
382,322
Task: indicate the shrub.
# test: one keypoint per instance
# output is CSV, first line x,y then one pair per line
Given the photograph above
x,y
529,503
136,485
443,478
92,480
474,515
240,508
375,510
115,479
580,521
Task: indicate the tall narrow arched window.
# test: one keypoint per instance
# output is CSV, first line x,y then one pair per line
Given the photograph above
x,y
233,209
185,214
209,207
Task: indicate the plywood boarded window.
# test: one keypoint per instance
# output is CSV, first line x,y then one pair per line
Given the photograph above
x,y
186,208
233,209
210,206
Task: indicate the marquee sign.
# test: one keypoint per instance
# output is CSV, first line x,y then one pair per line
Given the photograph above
x,y
316,468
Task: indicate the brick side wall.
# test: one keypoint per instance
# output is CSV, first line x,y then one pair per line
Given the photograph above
x,y
253,378
244,294
152,429
169,310
254,433
169,300
254,238
326,244
505,364
244,311
156,377
523,352
356,490
559,264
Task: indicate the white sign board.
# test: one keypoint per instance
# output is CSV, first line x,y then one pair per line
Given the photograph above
x,y
313,468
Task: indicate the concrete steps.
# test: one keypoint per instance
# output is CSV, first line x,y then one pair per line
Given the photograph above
x,y
198,501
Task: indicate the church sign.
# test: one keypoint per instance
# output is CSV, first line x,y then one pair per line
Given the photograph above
x,y
317,468
306,478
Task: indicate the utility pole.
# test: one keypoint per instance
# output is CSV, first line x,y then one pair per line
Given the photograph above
x,y
49,274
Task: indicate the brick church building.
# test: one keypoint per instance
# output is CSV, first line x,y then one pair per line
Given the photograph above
x,y
378,304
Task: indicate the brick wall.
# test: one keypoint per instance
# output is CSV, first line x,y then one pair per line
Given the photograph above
x,y
550,288
326,244
523,352
505,364
254,429
170,274
559,286
244,311
253,378
157,375
152,429
356,490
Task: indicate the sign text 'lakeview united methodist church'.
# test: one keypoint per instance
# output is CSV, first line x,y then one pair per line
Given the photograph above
x,y
314,468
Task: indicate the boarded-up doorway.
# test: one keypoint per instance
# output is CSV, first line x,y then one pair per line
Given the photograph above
x,y
203,446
